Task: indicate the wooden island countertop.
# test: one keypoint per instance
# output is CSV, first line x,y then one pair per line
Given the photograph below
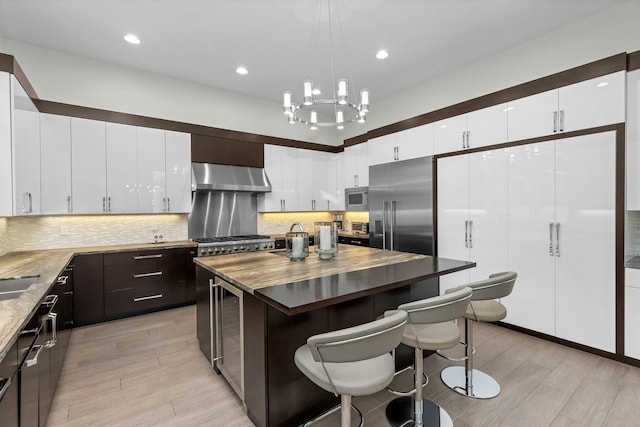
x,y
301,286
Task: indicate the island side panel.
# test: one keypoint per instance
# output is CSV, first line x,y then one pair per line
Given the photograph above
x,y
255,359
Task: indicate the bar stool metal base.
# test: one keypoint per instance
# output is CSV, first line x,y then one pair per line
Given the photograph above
x,y
400,412
483,386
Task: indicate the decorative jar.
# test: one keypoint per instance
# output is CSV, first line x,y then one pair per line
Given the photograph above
x,y
326,239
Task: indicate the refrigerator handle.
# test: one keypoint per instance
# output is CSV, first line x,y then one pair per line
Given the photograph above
x,y
384,225
393,223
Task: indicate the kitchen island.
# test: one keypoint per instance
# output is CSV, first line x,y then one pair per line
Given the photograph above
x,y
282,303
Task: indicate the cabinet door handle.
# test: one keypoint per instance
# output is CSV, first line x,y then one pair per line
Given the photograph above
x,y
313,205
164,204
466,233
139,257
34,360
328,206
104,204
561,121
168,204
109,204
555,121
30,202
68,293
468,139
69,208
138,299
557,239
550,239
27,203
6,382
62,280
470,233
54,330
155,273
355,180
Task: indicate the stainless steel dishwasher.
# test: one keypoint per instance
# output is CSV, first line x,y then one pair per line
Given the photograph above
x,y
227,337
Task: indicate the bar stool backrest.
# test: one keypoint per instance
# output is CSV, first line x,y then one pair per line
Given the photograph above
x,y
360,342
498,285
438,309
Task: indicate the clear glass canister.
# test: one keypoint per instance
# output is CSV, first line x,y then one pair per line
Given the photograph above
x,y
297,245
326,239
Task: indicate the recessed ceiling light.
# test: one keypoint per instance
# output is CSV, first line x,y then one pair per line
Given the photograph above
x,y
242,71
132,38
382,54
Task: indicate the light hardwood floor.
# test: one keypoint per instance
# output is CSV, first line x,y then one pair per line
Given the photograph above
x,y
148,371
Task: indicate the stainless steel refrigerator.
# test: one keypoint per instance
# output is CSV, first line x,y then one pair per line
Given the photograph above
x,y
401,206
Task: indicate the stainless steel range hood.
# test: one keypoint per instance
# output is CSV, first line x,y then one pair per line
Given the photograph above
x,y
211,177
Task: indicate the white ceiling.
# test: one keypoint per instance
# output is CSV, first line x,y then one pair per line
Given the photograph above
x,y
203,41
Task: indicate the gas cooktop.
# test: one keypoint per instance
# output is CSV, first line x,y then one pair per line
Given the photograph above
x,y
230,244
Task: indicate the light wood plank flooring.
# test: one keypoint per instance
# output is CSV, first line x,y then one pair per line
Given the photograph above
x,y
148,371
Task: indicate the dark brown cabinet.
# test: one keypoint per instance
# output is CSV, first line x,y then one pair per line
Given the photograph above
x,y
119,284
88,292
63,289
9,404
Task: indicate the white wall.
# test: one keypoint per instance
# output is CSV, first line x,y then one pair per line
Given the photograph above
x,y
61,77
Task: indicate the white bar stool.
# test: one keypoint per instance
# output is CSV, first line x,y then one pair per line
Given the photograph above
x,y
465,379
430,326
354,361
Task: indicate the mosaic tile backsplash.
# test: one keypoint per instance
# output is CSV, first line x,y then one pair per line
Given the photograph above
x,y
53,232
280,222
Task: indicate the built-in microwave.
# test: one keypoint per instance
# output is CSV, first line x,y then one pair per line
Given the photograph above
x,y
357,199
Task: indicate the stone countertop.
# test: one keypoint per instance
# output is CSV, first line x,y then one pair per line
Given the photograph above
x,y
48,264
296,287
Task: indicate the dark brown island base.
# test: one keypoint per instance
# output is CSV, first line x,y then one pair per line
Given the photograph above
x,y
281,303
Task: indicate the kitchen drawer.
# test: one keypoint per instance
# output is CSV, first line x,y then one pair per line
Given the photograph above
x,y
632,277
140,299
356,241
139,269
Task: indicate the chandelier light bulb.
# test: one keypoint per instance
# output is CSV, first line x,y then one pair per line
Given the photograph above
x,y
340,119
364,100
314,120
308,92
342,91
287,103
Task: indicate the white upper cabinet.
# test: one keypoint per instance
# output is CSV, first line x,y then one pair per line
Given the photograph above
x,y
281,166
122,166
55,147
404,145
26,152
382,149
306,165
151,178
6,190
633,141
178,172
88,166
356,165
339,195
587,104
479,128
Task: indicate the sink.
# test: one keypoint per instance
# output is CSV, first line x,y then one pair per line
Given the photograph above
x,y
13,287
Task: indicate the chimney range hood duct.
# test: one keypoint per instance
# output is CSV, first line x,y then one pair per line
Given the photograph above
x,y
212,177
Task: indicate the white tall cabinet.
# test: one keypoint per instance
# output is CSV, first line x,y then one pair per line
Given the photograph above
x,y
55,148
561,231
26,152
472,214
633,141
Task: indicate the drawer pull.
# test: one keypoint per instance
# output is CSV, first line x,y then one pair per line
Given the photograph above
x,y
155,273
147,298
6,382
62,280
147,256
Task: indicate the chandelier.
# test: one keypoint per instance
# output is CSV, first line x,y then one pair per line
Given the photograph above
x,y
337,111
